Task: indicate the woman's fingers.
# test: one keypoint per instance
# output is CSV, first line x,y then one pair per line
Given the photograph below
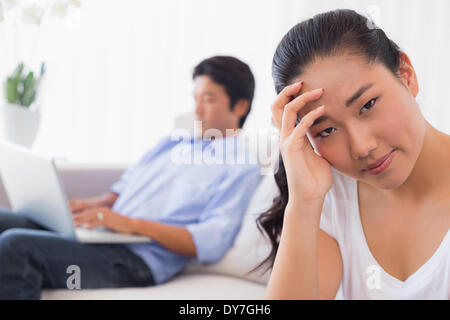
x,y
290,113
283,98
306,122
298,139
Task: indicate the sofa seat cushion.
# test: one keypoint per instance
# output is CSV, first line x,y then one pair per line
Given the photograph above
x,y
186,286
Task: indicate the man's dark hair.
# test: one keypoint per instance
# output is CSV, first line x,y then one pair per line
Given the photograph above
x,y
234,75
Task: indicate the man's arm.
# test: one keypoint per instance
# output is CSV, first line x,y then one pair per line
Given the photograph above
x,y
175,238
206,240
107,199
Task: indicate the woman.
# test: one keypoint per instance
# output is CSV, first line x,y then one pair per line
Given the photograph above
x,y
364,179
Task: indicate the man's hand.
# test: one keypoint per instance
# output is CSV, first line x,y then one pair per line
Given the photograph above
x,y
105,200
78,204
103,216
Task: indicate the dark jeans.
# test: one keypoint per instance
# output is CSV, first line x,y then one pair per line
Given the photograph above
x,y
32,258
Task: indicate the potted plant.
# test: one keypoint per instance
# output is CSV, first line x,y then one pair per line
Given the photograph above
x,y
21,104
21,113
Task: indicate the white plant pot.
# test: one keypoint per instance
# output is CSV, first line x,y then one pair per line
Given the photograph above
x,y
20,124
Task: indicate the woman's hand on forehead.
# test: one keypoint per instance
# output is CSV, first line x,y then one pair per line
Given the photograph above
x,y
292,96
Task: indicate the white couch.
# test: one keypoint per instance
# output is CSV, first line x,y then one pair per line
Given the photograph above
x,y
225,280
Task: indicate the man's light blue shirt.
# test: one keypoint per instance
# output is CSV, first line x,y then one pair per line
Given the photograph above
x,y
202,185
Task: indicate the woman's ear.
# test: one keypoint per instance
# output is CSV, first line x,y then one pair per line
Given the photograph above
x,y
407,74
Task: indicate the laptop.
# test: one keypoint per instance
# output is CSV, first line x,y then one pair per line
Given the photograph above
x,y
35,190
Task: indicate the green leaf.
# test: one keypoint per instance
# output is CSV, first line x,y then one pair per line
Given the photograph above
x,y
12,90
21,89
29,90
17,73
42,69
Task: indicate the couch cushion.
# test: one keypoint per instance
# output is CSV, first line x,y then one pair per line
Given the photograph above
x,y
187,286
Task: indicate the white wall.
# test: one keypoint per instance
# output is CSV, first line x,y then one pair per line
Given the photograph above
x,y
118,76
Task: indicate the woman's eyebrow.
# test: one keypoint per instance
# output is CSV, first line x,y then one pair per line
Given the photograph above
x,y
358,94
352,99
319,120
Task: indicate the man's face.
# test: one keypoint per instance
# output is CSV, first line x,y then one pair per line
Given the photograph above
x,y
384,117
212,106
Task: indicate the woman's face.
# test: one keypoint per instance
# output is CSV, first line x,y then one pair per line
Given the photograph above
x,y
381,117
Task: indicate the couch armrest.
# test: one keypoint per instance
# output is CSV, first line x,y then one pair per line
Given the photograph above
x,y
81,180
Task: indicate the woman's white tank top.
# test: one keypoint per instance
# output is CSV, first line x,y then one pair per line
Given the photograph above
x,y
363,278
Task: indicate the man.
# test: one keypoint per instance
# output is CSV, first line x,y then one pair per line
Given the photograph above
x,y
191,210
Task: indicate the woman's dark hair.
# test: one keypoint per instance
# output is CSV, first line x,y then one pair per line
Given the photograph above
x,y
326,34
234,75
